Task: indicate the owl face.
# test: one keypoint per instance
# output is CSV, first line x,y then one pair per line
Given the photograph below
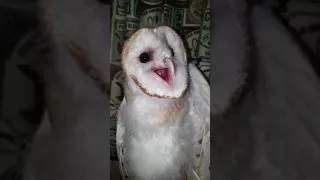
x,y
155,62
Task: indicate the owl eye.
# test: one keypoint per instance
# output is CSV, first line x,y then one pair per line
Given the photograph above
x,y
172,52
144,57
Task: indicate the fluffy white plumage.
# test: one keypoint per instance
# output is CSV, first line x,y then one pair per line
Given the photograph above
x,y
72,142
163,122
276,125
272,134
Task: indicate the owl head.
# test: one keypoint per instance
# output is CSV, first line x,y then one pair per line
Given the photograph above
x,y
155,63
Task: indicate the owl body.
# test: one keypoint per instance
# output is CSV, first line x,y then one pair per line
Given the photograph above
x,y
72,142
153,151
165,112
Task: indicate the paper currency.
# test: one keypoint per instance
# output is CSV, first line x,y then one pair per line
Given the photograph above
x,y
191,37
117,38
177,3
152,2
133,8
203,49
191,26
195,11
150,15
133,20
167,15
184,16
175,15
173,12
177,20
118,31
122,7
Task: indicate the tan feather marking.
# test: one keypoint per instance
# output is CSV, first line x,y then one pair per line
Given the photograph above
x,y
127,47
84,62
175,108
75,51
172,111
135,80
183,175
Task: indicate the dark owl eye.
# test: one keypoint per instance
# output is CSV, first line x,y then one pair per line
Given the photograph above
x,y
172,52
144,57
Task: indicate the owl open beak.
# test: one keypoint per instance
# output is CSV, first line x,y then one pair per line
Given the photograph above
x,y
167,71
163,73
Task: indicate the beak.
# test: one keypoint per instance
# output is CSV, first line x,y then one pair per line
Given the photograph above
x,y
167,70
169,64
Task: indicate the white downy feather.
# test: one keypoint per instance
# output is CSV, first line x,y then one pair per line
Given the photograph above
x,y
277,123
139,141
199,112
150,152
286,124
76,148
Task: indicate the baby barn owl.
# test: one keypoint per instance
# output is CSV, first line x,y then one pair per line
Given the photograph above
x,y
163,128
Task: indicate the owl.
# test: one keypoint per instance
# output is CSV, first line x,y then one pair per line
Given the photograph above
x,y
72,140
268,94
163,126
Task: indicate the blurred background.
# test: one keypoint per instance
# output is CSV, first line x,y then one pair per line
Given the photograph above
x,y
24,47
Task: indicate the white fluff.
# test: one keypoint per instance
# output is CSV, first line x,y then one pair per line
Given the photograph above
x,y
76,145
152,146
273,134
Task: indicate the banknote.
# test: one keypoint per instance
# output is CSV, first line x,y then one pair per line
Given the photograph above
x,y
194,12
172,17
122,7
176,15
167,15
133,20
150,15
204,39
173,14
133,8
191,26
133,24
177,3
117,38
118,29
152,2
190,35
203,49
177,19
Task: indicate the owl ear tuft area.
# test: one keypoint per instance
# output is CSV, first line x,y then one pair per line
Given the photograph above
x,y
183,44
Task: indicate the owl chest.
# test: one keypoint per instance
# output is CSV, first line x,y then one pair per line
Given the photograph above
x,y
154,150
155,113
156,146
159,153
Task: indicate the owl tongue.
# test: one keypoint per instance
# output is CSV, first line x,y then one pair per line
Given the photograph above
x,y
163,73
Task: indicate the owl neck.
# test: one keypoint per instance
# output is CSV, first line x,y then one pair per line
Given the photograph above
x,y
130,96
160,109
